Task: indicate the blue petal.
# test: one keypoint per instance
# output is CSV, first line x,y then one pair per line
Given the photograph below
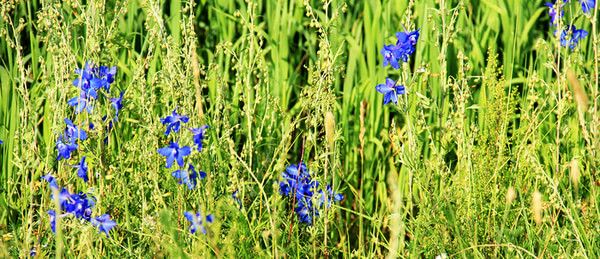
x,y
166,151
189,216
210,218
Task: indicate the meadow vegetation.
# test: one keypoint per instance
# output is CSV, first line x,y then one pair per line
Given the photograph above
x,y
492,151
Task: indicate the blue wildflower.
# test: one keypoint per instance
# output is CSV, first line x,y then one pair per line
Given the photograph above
x,y
74,132
330,196
199,135
173,122
32,252
64,197
587,5
408,39
390,91
82,169
93,78
107,74
77,204
571,36
196,221
117,103
305,211
52,215
188,177
297,183
554,13
65,147
391,56
51,181
80,205
406,43
405,46
1,142
85,74
81,102
295,179
174,153
104,223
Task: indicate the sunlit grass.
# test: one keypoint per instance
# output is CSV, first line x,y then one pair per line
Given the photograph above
x,y
492,152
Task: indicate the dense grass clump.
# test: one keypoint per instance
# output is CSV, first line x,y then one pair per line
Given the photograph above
x,y
335,129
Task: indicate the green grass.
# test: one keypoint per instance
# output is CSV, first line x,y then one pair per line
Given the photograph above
x,y
494,104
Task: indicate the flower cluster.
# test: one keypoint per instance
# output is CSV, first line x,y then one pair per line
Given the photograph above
x,y
392,55
174,153
78,205
404,47
298,184
569,35
92,82
195,220
91,79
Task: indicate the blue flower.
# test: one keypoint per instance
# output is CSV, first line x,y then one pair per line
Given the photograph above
x,y
82,169
117,103
94,78
196,221
554,13
336,197
52,215
296,178
406,43
199,136
51,181
305,211
79,205
174,153
188,177
74,132
64,197
107,74
408,39
104,223
405,46
1,142
571,36
32,252
173,122
587,5
90,80
297,183
81,102
391,56
86,72
65,148
390,91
